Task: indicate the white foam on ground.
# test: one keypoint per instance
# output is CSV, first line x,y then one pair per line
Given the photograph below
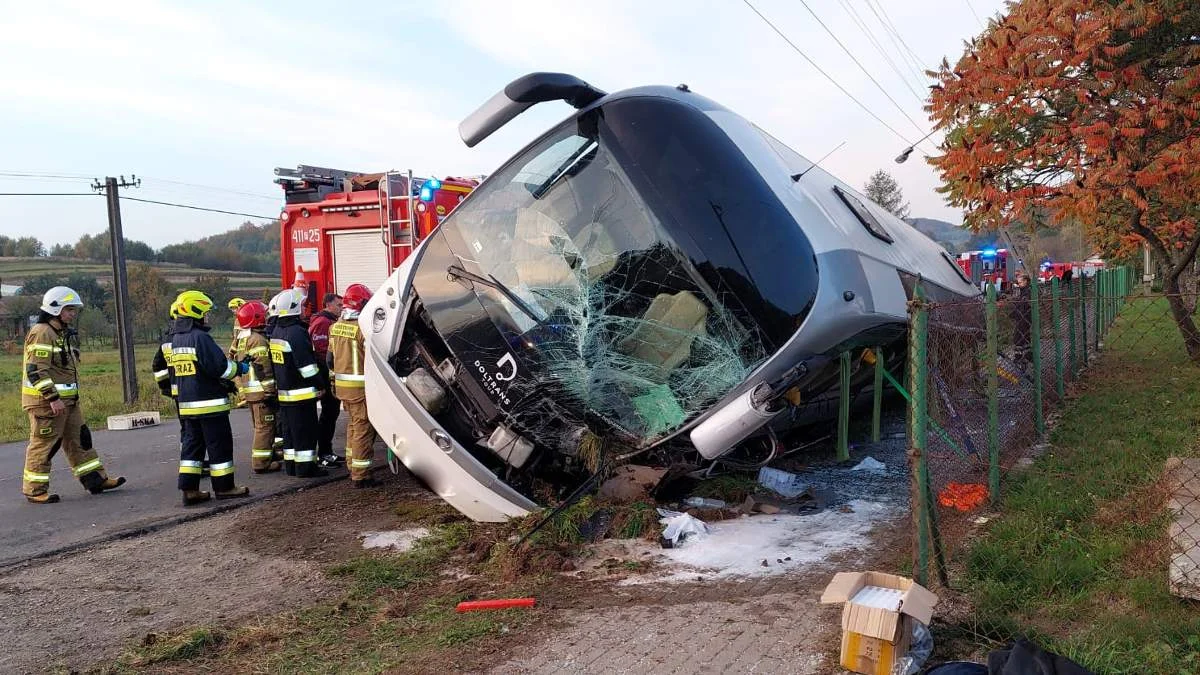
x,y
737,548
397,540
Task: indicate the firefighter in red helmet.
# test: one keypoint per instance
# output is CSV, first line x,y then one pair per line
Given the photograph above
x,y
347,353
257,386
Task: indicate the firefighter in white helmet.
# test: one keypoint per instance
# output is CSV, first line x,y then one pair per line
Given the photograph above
x,y
299,383
50,395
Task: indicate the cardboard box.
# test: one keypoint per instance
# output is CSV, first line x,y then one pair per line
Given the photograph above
x,y
877,617
135,420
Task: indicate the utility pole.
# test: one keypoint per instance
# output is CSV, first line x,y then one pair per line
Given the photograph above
x,y
121,281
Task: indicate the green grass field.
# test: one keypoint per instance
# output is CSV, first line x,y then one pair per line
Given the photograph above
x,y
100,391
1078,557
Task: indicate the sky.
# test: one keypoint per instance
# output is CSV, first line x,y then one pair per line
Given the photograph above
x,y
202,100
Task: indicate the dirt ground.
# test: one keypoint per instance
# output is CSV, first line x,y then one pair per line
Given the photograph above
x,y
85,609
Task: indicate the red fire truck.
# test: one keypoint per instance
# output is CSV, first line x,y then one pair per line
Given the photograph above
x,y
989,264
342,227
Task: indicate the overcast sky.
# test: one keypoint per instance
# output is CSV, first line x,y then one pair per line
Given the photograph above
x,y
204,99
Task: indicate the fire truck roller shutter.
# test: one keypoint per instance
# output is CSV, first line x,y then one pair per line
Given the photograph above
x,y
358,257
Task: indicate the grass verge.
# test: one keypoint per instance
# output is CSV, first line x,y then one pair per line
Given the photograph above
x,y
100,390
1077,560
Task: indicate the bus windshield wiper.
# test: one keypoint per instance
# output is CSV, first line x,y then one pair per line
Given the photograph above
x,y
456,272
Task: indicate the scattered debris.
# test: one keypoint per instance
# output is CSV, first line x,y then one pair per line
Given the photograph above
x,y
878,629
630,482
680,527
782,482
872,465
963,496
397,540
704,503
736,548
482,605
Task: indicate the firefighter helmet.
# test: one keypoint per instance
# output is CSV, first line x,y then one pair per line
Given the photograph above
x,y
289,302
235,304
174,311
356,296
193,304
252,314
58,297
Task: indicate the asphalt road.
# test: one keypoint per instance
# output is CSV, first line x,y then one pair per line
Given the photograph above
x,y
149,460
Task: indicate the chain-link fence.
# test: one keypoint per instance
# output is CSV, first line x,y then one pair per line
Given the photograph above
x,y
987,378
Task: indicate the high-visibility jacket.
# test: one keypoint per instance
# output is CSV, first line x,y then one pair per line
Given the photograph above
x,y
51,364
161,365
202,371
347,350
297,376
259,382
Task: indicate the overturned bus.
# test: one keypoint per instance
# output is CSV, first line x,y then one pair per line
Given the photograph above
x,y
654,280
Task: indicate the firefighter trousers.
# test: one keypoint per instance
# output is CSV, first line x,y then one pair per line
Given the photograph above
x,y
46,431
206,437
300,437
360,440
263,418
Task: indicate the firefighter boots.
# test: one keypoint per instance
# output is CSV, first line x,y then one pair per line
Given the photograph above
x,y
233,493
192,497
97,487
43,499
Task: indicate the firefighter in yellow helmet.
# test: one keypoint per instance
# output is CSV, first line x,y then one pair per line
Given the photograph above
x,y
204,376
347,357
50,395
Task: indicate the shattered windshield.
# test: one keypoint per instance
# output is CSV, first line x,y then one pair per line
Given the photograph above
x,y
605,300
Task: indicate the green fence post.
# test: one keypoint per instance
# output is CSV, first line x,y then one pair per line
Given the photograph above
x,y
1083,322
877,399
918,428
1056,317
993,394
1035,331
1072,300
843,446
1099,311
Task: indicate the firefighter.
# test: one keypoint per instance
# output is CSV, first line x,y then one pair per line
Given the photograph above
x,y
300,382
347,352
257,386
238,332
204,377
318,332
50,395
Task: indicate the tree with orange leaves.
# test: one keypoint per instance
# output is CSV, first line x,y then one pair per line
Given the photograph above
x,y
1085,110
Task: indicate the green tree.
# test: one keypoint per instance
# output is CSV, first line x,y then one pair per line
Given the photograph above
x,y
62,251
37,286
882,189
29,247
150,295
216,287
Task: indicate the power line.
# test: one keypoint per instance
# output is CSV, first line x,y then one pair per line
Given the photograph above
x,y
213,188
197,208
975,14
48,194
866,30
827,76
35,174
891,24
862,67
892,39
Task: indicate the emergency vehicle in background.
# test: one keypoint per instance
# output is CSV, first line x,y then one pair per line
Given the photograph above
x,y
343,227
989,264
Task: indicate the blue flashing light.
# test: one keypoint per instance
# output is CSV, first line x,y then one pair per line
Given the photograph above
x,y
426,194
434,184
989,253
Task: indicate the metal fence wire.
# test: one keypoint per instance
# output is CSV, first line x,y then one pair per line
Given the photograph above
x,y
987,376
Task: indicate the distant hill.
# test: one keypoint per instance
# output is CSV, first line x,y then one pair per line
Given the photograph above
x,y
249,248
947,234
